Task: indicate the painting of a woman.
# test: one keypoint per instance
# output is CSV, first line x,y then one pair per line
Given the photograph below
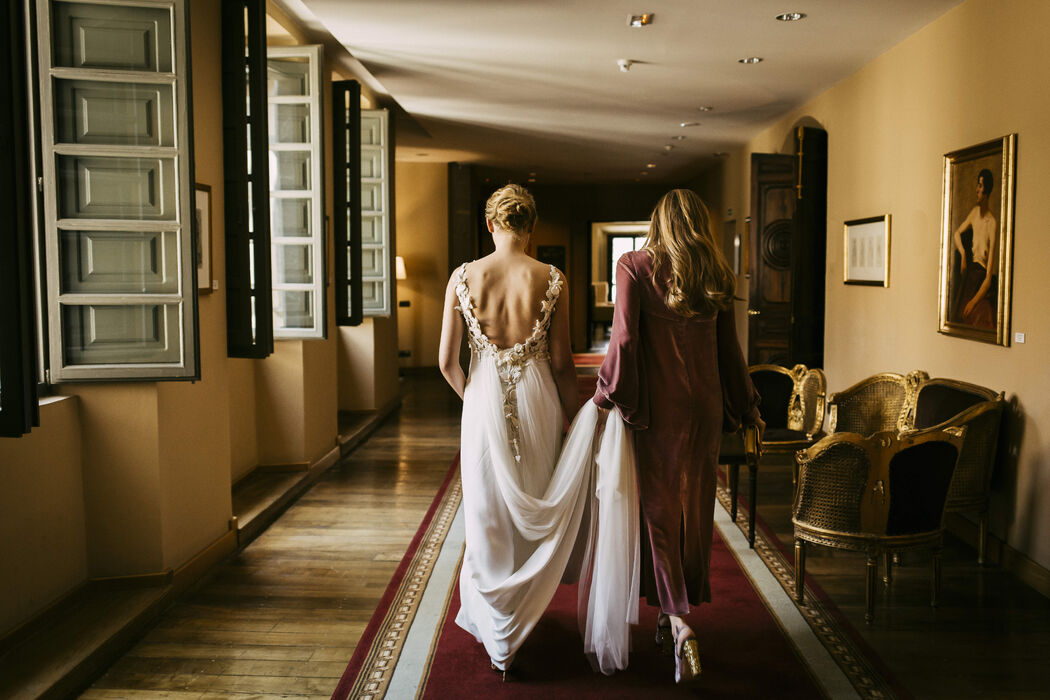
x,y
976,240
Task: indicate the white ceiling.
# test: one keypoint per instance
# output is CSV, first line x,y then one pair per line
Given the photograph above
x,y
533,85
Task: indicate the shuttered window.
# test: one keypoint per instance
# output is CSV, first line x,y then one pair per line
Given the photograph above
x,y
245,137
346,147
118,195
376,248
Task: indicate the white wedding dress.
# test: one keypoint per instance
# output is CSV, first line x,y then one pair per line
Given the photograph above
x,y
530,503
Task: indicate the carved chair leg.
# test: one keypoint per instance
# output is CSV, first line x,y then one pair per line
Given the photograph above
x,y
887,562
982,536
935,583
734,480
753,485
869,587
800,569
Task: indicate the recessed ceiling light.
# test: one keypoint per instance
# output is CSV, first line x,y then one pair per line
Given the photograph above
x,y
642,20
720,154
644,172
704,108
791,16
750,59
668,147
685,124
650,165
679,137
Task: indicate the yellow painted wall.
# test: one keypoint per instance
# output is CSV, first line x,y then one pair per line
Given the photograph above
x,y
42,521
976,74
422,240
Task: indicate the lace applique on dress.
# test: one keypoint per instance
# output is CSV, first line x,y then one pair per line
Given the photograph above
x,y
510,361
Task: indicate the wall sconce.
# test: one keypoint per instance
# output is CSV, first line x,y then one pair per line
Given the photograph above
x,y
399,268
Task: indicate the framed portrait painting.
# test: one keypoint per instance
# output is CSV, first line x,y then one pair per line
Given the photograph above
x,y
977,219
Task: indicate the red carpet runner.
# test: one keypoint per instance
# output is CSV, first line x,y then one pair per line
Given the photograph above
x,y
743,652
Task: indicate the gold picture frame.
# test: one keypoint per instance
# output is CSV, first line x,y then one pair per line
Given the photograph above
x,y
866,251
977,223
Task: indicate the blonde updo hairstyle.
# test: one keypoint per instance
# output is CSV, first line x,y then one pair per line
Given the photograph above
x,y
512,209
700,280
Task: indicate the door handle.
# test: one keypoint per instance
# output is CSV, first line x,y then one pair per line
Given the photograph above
x,y
753,312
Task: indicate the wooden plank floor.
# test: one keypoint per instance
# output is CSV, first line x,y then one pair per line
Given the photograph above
x,y
282,618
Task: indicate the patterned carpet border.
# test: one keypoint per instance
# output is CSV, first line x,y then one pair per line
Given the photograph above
x,y
385,640
816,609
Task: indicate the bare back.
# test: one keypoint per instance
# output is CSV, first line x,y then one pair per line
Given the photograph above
x,y
507,291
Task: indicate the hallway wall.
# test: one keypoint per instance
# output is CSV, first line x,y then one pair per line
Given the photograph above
x,y
422,240
130,479
974,75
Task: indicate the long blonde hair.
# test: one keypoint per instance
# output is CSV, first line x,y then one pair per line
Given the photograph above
x,y
701,280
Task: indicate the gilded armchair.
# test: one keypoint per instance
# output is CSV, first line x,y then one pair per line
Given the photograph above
x,y
879,495
943,403
914,402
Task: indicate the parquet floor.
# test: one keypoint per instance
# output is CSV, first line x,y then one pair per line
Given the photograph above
x,y
281,618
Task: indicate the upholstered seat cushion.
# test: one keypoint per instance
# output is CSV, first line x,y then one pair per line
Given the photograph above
x,y
732,449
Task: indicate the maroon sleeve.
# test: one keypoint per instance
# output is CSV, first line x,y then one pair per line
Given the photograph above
x,y
739,398
620,380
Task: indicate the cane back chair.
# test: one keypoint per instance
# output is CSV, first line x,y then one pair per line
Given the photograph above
x,y
793,410
914,402
879,495
943,403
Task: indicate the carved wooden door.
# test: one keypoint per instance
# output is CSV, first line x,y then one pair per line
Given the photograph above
x,y
773,234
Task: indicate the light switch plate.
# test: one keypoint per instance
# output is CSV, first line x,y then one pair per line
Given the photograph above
x,y
1018,337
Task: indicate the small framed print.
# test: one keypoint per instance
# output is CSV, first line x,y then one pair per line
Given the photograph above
x,y
202,249
867,251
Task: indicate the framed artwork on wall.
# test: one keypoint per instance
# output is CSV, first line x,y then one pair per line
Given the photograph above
x,y
977,221
202,252
867,251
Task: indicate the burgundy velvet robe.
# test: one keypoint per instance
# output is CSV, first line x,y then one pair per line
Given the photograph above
x,y
677,382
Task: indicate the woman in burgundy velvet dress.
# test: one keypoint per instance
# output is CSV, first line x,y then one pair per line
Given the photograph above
x,y
675,372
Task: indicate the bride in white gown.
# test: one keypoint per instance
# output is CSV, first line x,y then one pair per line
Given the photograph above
x,y
528,500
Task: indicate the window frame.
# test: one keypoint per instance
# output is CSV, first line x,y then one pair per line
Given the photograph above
x,y
183,223
315,55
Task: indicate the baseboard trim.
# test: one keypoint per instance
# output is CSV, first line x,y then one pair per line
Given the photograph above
x,y
53,611
157,578
1016,562
289,467
190,572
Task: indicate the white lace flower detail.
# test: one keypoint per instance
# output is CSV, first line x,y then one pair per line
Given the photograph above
x,y
510,361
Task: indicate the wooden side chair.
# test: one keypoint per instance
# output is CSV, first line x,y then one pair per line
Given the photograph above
x,y
742,447
879,495
793,409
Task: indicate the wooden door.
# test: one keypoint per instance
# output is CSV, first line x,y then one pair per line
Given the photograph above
x,y
773,233
788,243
